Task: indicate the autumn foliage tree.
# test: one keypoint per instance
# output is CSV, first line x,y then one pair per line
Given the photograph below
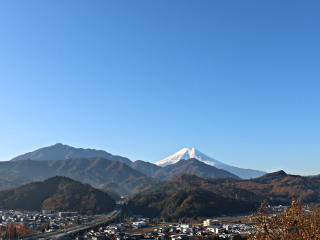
x,y
296,223
15,231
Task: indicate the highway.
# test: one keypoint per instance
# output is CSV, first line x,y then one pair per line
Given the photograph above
x,y
73,230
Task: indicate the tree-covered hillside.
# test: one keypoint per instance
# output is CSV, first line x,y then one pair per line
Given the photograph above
x,y
57,194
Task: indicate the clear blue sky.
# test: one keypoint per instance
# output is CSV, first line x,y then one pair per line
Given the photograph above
x,y
237,80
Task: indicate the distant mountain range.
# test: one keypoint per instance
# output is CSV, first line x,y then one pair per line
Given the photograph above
x,y
98,171
110,172
187,153
188,183
61,151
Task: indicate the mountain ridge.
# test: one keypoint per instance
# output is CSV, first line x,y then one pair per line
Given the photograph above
x,y
192,166
95,171
61,151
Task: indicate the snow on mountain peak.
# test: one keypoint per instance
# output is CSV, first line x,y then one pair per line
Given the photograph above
x,y
187,153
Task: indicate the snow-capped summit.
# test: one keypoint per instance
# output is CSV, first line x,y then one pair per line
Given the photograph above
x,y
187,153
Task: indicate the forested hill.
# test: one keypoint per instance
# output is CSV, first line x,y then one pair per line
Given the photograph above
x,y
177,196
57,194
277,187
189,202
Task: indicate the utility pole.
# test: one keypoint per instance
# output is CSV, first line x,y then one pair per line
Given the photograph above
x,y
163,226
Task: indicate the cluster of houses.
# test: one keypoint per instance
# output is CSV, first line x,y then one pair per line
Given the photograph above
x,y
132,228
42,221
127,229
140,228
225,229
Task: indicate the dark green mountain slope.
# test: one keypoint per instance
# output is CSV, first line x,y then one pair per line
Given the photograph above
x,y
10,179
186,203
109,189
145,167
57,194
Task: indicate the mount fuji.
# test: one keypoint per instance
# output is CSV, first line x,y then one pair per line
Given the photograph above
x,y
187,153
